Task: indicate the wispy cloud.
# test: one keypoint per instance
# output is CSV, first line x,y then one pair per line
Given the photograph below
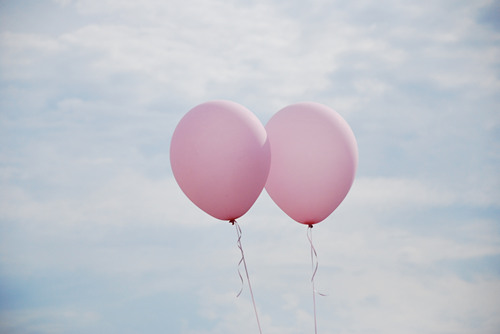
x,y
95,235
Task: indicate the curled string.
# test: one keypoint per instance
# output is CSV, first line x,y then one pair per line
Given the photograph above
x,y
314,266
242,260
314,258
238,242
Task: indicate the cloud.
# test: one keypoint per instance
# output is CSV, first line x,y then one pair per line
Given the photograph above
x,y
36,321
96,235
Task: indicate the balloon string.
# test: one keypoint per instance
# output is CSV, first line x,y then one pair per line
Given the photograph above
x,y
314,266
242,260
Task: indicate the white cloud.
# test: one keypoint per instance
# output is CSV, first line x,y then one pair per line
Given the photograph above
x,y
35,321
384,194
127,198
87,113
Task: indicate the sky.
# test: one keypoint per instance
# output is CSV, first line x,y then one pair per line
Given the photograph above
x,y
97,237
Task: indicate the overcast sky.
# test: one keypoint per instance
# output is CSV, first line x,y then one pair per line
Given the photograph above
x,y
96,236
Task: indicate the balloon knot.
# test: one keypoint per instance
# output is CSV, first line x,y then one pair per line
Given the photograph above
x,y
310,225
232,221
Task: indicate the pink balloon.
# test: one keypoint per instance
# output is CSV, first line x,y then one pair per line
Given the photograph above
x,y
314,160
220,158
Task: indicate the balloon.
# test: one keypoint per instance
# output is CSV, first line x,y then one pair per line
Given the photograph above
x,y
220,158
314,160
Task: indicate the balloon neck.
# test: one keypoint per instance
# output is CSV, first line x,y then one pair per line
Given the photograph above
x,y
232,221
310,225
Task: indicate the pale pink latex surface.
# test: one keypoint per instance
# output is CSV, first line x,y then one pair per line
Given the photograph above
x,y
314,157
220,158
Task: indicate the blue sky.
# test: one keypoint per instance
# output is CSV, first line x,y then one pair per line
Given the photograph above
x,y
96,236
